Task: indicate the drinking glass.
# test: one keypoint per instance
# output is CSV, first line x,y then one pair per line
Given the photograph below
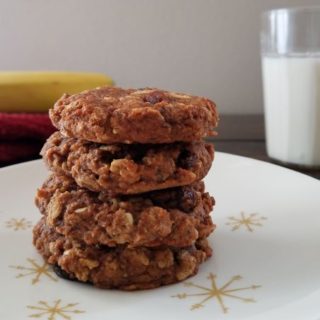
x,y
290,53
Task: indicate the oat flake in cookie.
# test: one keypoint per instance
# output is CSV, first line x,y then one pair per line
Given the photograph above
x,y
115,115
128,168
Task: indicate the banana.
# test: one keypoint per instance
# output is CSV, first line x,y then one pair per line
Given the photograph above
x,y
37,91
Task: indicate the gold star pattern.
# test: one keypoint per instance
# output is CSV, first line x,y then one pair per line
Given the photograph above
x,y
247,221
55,311
18,224
214,292
35,269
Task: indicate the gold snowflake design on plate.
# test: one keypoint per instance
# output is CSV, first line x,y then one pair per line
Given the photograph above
x,y
18,224
35,270
54,311
215,292
249,221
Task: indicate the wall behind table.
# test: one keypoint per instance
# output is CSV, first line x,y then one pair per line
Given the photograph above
x,y
205,47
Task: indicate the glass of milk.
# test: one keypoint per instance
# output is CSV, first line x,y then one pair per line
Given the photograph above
x,y
290,46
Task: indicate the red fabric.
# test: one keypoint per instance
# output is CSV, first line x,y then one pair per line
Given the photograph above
x,y
12,152
22,136
14,126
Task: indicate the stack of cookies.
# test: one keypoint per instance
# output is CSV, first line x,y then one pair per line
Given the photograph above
x,y
125,206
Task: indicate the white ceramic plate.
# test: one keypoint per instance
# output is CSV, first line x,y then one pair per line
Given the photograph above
x,y
266,262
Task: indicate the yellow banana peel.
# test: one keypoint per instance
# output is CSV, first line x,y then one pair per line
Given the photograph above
x,y
36,91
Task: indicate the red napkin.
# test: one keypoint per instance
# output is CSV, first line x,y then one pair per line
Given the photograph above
x,y
22,136
12,152
14,126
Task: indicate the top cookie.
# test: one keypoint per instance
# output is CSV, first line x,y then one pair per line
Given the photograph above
x,y
115,115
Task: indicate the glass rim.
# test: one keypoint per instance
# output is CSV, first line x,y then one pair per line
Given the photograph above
x,y
314,8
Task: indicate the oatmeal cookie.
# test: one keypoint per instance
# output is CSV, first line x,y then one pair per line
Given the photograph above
x,y
120,267
114,115
128,168
174,217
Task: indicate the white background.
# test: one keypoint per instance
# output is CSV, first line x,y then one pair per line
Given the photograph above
x,y
205,47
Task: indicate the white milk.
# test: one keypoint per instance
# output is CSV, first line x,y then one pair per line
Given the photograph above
x,y
292,109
